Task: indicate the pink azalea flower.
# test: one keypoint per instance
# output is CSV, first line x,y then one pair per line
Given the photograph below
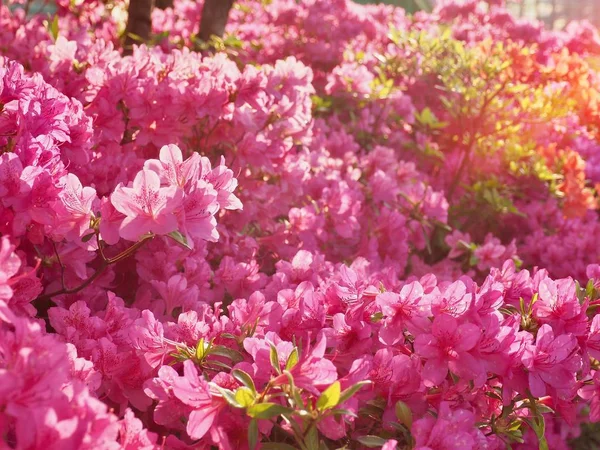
x,y
593,340
593,273
455,300
552,362
170,410
193,390
448,348
199,209
591,393
558,306
133,436
148,207
260,349
409,310
74,208
224,183
110,222
147,336
9,266
390,444
176,293
313,371
172,169
452,430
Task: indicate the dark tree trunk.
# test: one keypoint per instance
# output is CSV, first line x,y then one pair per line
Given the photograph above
x,y
139,23
164,4
215,14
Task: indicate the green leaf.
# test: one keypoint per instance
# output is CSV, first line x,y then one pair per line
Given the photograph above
x,y
377,317
227,395
135,37
180,239
348,393
267,410
330,397
342,412
311,439
220,364
292,359
253,434
226,352
201,349
244,378
244,397
538,425
229,336
274,359
294,392
53,28
371,441
88,237
404,414
543,409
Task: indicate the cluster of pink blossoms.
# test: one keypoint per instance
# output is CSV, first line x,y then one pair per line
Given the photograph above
x,y
275,245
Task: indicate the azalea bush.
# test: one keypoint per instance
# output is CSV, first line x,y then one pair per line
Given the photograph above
x,y
337,227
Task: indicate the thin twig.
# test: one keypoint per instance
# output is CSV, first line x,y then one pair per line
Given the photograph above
x,y
105,263
62,266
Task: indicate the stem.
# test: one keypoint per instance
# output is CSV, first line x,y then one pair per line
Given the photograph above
x,y
100,249
472,139
62,266
105,263
85,284
462,167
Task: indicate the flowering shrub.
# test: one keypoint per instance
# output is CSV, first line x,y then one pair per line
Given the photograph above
x,y
337,227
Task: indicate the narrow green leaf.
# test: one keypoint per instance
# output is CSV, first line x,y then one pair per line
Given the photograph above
x,y
267,410
53,28
227,395
88,237
371,441
348,393
135,37
220,364
543,409
294,392
342,412
226,352
274,359
180,239
253,434
311,439
404,414
330,397
292,359
229,336
244,378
